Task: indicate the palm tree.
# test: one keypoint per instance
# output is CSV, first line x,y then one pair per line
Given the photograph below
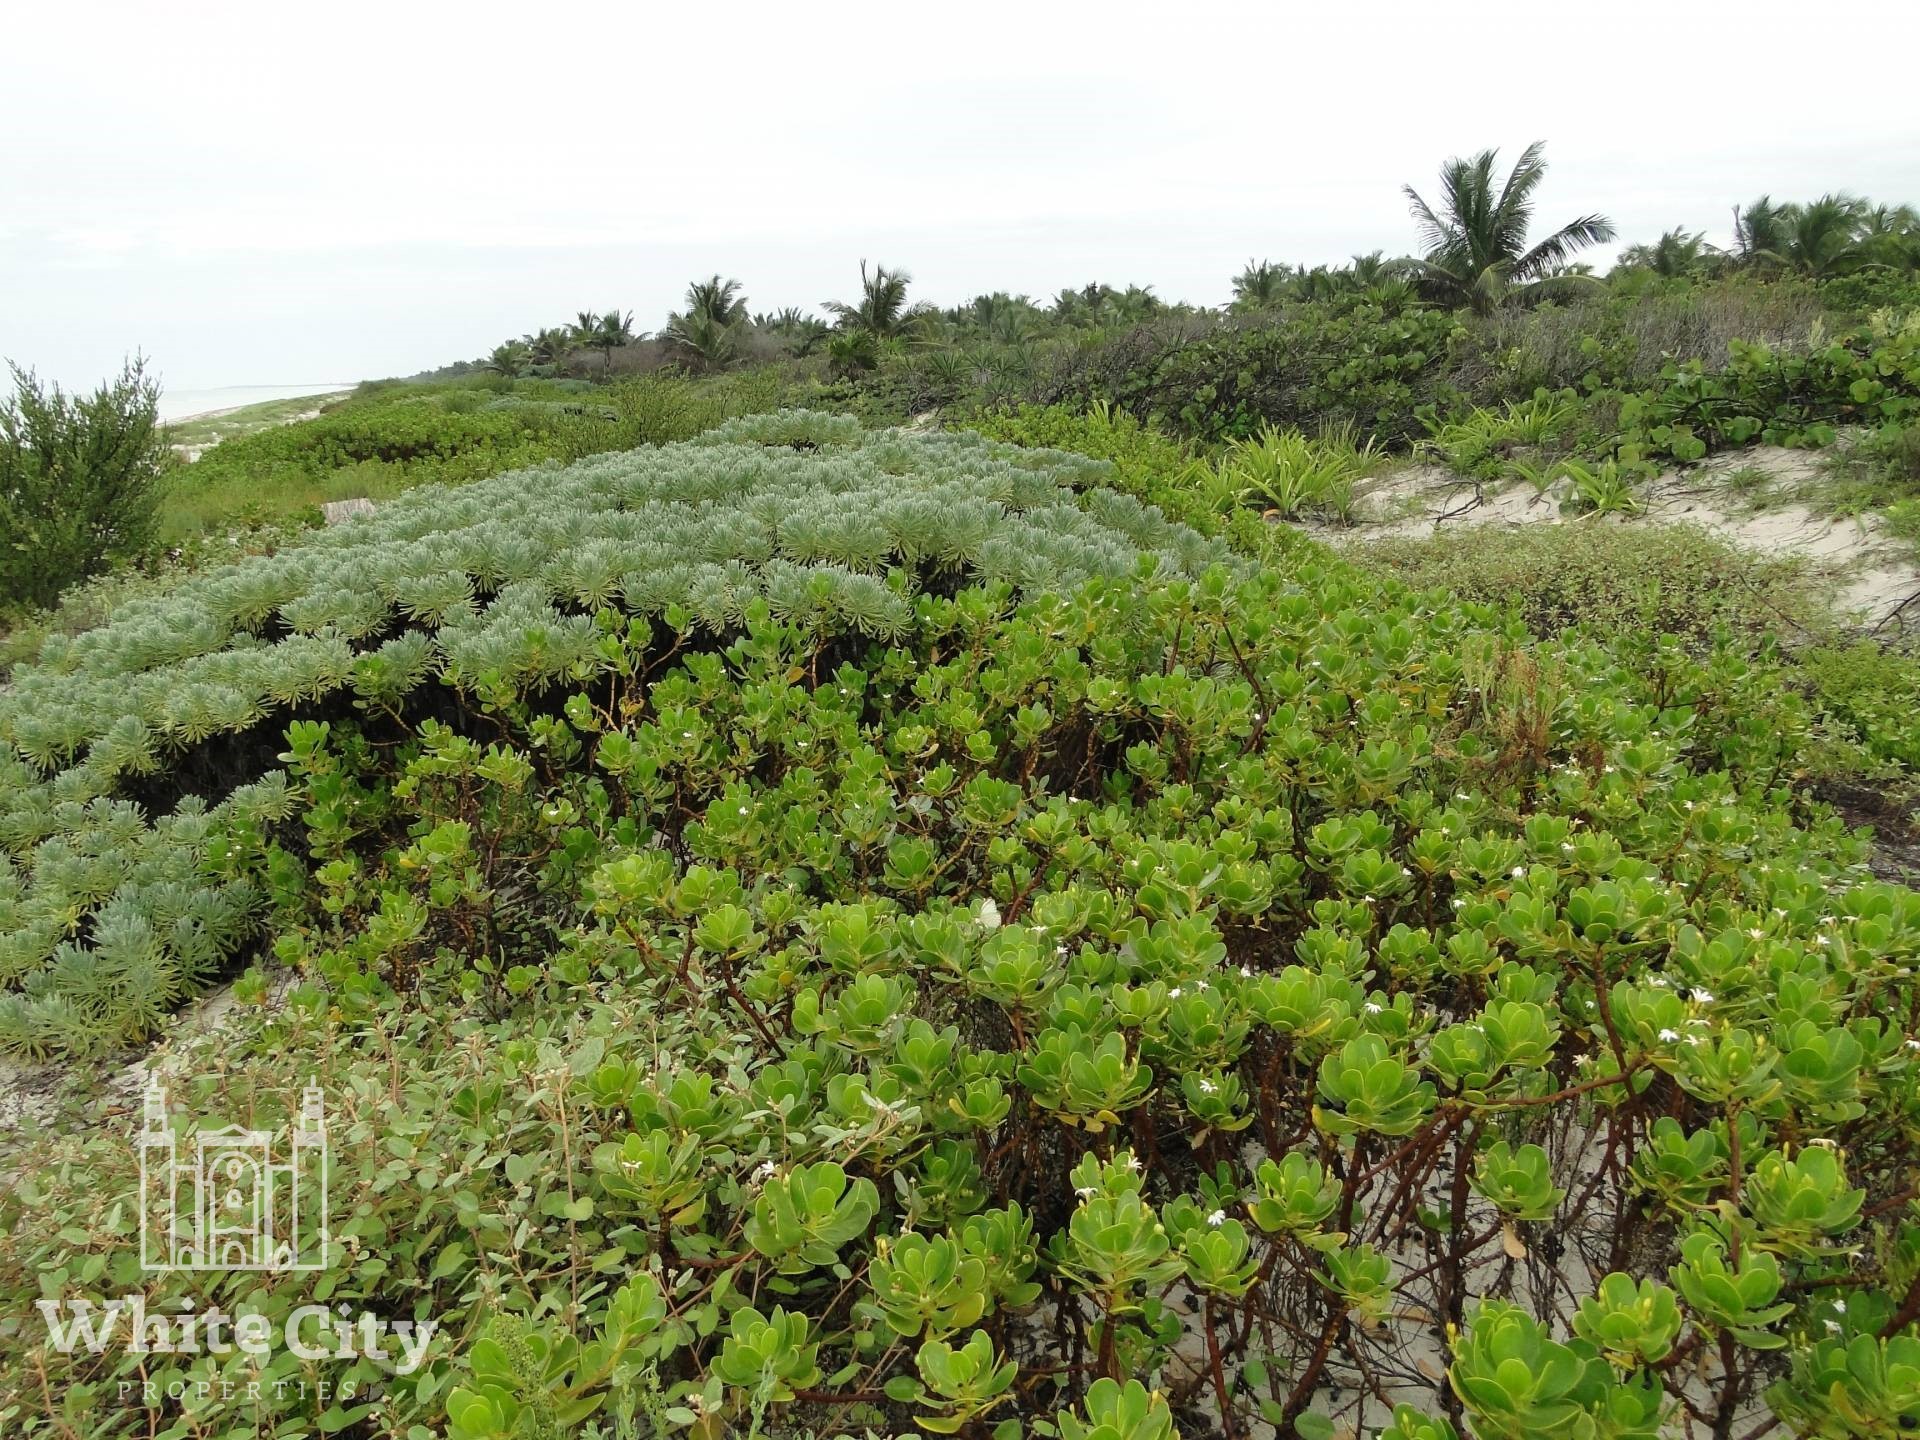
x,y
1890,235
605,333
1823,237
550,346
1260,285
1006,318
1678,252
509,360
1477,250
882,308
719,300
1759,231
707,336
1135,304
1086,306
801,332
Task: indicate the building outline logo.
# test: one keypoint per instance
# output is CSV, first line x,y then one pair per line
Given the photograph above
x,y
223,1200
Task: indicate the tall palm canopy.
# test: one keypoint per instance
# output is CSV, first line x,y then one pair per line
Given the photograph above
x,y
1477,250
722,301
882,308
706,337
1677,252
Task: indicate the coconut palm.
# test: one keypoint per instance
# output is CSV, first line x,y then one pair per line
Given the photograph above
x,y
1676,253
882,310
799,331
605,333
719,300
1477,248
1823,237
1890,235
1006,318
550,346
707,336
1087,305
1135,304
1261,285
508,359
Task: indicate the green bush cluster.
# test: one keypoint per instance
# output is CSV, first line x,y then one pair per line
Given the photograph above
x,y
1045,975
1304,368
1870,377
485,591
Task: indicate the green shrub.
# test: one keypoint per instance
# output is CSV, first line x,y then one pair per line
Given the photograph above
x,y
1870,376
79,479
1642,578
1303,369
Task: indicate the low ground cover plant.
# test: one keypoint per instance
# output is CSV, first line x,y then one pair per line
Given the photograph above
x,y
932,945
389,437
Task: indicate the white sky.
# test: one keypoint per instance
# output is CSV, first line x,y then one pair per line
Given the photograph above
x,y
264,193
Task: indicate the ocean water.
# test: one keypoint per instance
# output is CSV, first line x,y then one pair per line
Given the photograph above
x,y
183,404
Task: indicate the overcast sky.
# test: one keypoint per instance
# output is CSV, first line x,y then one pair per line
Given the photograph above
x,y
259,193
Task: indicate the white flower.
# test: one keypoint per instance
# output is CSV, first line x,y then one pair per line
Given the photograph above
x,y
1705,997
743,809
1217,1219
1132,1162
1913,1044
1659,980
1823,939
1246,972
1669,1035
686,734
1207,1087
1459,904
1373,1007
1085,1192
1366,900
1757,933
1199,984
1174,993
1519,872
764,1171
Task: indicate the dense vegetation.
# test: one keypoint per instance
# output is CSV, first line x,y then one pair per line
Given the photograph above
x,y
816,929
79,481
